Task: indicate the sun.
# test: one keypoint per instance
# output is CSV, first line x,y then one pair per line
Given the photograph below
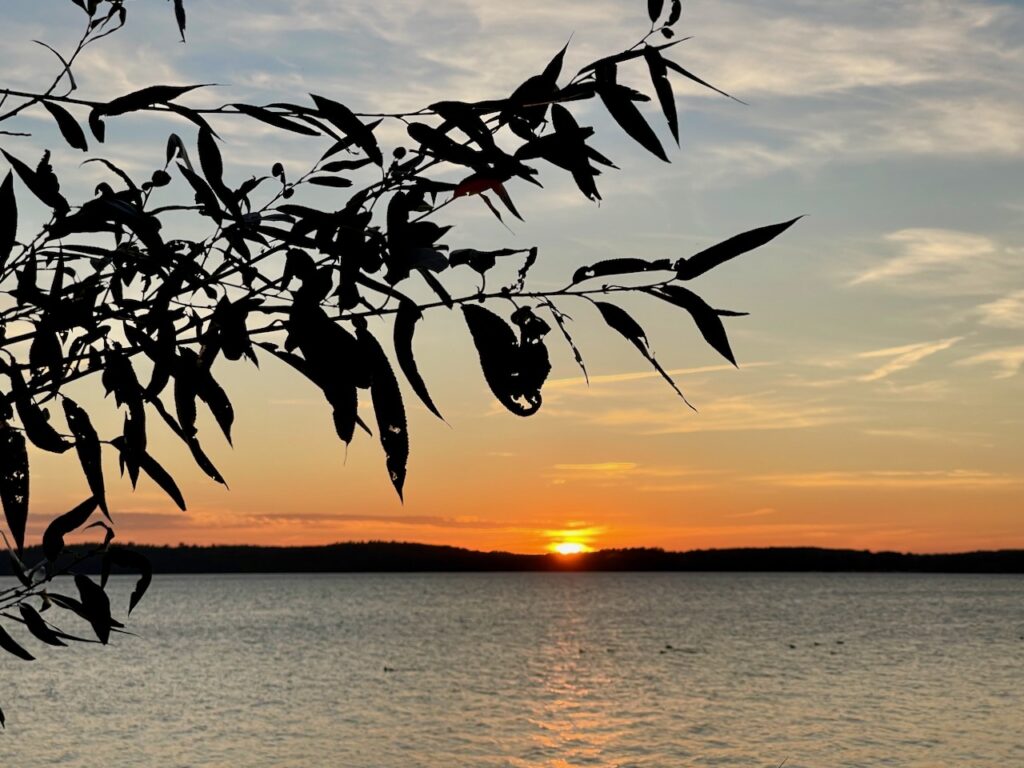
x,y
569,548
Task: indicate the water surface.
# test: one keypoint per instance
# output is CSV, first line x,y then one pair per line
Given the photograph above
x,y
555,669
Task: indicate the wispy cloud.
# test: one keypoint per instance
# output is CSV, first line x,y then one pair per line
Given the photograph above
x,y
922,434
1005,312
957,478
754,412
929,250
601,468
674,487
803,49
576,382
904,357
1008,361
640,477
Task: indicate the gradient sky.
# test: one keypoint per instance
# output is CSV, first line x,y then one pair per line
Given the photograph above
x,y
878,401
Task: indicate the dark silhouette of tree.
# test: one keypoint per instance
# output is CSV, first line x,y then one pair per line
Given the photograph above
x,y
106,289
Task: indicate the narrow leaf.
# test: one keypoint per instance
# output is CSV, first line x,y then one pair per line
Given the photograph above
x,y
553,70
38,626
9,644
405,323
621,107
185,402
213,168
87,445
204,195
34,419
624,266
146,97
707,319
14,482
654,9
698,264
330,181
201,459
69,127
663,88
216,399
126,558
466,119
210,159
351,126
76,607
345,165
8,219
275,119
53,536
96,124
179,17
96,606
619,320
437,287
495,211
156,473
388,408
42,186
560,318
673,66
502,193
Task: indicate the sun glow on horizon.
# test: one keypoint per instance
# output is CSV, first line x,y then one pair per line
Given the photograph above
x,y
570,548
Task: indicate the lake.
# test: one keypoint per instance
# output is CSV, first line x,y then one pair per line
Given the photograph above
x,y
536,669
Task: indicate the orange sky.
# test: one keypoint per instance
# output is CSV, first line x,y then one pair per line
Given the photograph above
x,y
751,469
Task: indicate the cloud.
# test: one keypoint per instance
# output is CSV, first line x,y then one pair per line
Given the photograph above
x,y
604,468
806,49
953,479
675,487
739,413
418,521
617,473
923,434
858,82
904,357
579,382
1005,312
1007,360
929,250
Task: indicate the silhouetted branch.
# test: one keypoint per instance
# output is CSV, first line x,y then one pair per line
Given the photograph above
x,y
109,288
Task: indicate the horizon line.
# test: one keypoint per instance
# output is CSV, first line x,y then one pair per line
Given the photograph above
x,y
550,553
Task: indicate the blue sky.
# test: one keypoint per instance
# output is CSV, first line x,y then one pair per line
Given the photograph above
x,y
881,366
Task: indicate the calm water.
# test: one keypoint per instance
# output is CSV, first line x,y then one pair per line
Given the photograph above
x,y
658,670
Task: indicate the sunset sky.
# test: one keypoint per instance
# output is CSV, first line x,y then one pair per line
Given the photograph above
x,y
878,399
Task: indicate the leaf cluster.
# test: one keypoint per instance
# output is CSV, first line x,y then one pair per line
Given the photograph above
x,y
308,270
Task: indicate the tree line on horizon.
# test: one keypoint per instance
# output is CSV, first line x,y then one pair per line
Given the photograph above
x,y
382,556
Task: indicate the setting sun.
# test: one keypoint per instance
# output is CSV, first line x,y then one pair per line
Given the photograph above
x,y
569,548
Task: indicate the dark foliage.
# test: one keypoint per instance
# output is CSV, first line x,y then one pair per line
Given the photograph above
x,y
106,290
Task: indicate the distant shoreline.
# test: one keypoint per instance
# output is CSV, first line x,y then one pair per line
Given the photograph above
x,y
397,557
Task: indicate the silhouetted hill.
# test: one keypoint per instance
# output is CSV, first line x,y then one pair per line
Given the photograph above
x,y
403,557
